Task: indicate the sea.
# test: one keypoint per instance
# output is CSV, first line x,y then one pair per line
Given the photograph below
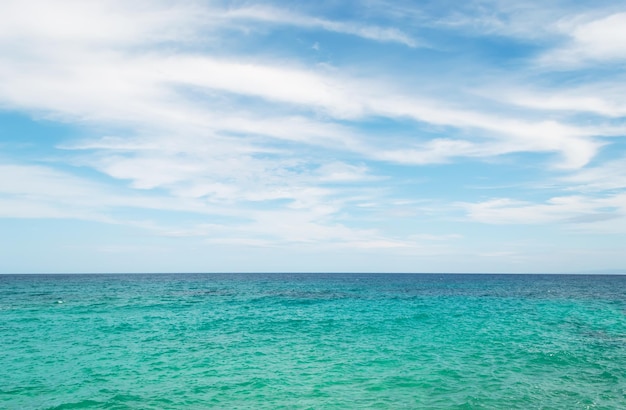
x,y
312,341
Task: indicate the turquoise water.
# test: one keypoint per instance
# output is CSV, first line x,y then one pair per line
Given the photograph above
x,y
312,341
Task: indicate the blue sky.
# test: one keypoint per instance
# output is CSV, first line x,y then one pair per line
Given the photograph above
x,y
404,136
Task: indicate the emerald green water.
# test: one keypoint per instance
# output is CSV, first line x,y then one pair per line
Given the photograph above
x,y
312,341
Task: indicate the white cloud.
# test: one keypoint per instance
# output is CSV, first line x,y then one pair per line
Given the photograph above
x,y
590,40
152,89
606,176
341,172
283,17
42,192
564,209
105,23
594,101
575,33
214,133
308,219
125,24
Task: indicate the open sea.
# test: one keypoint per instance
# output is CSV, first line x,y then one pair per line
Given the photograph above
x,y
312,341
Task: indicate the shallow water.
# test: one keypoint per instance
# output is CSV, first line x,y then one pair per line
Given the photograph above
x,y
312,341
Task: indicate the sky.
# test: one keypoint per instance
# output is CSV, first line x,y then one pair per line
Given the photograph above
x,y
328,136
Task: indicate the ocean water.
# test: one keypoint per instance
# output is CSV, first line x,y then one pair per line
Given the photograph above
x,y
312,341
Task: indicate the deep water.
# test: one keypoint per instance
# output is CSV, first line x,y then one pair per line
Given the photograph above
x,y
312,341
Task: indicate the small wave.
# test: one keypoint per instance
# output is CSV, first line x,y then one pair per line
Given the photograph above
x,y
83,404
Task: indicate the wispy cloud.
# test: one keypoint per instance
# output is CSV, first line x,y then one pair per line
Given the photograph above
x,y
222,116
273,15
606,176
153,87
565,209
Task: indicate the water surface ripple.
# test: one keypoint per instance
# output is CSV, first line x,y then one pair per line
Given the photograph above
x,y
312,341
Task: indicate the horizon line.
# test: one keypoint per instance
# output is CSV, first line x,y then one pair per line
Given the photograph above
x,y
612,272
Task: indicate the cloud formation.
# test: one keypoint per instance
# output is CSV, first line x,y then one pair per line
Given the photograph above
x,y
260,125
